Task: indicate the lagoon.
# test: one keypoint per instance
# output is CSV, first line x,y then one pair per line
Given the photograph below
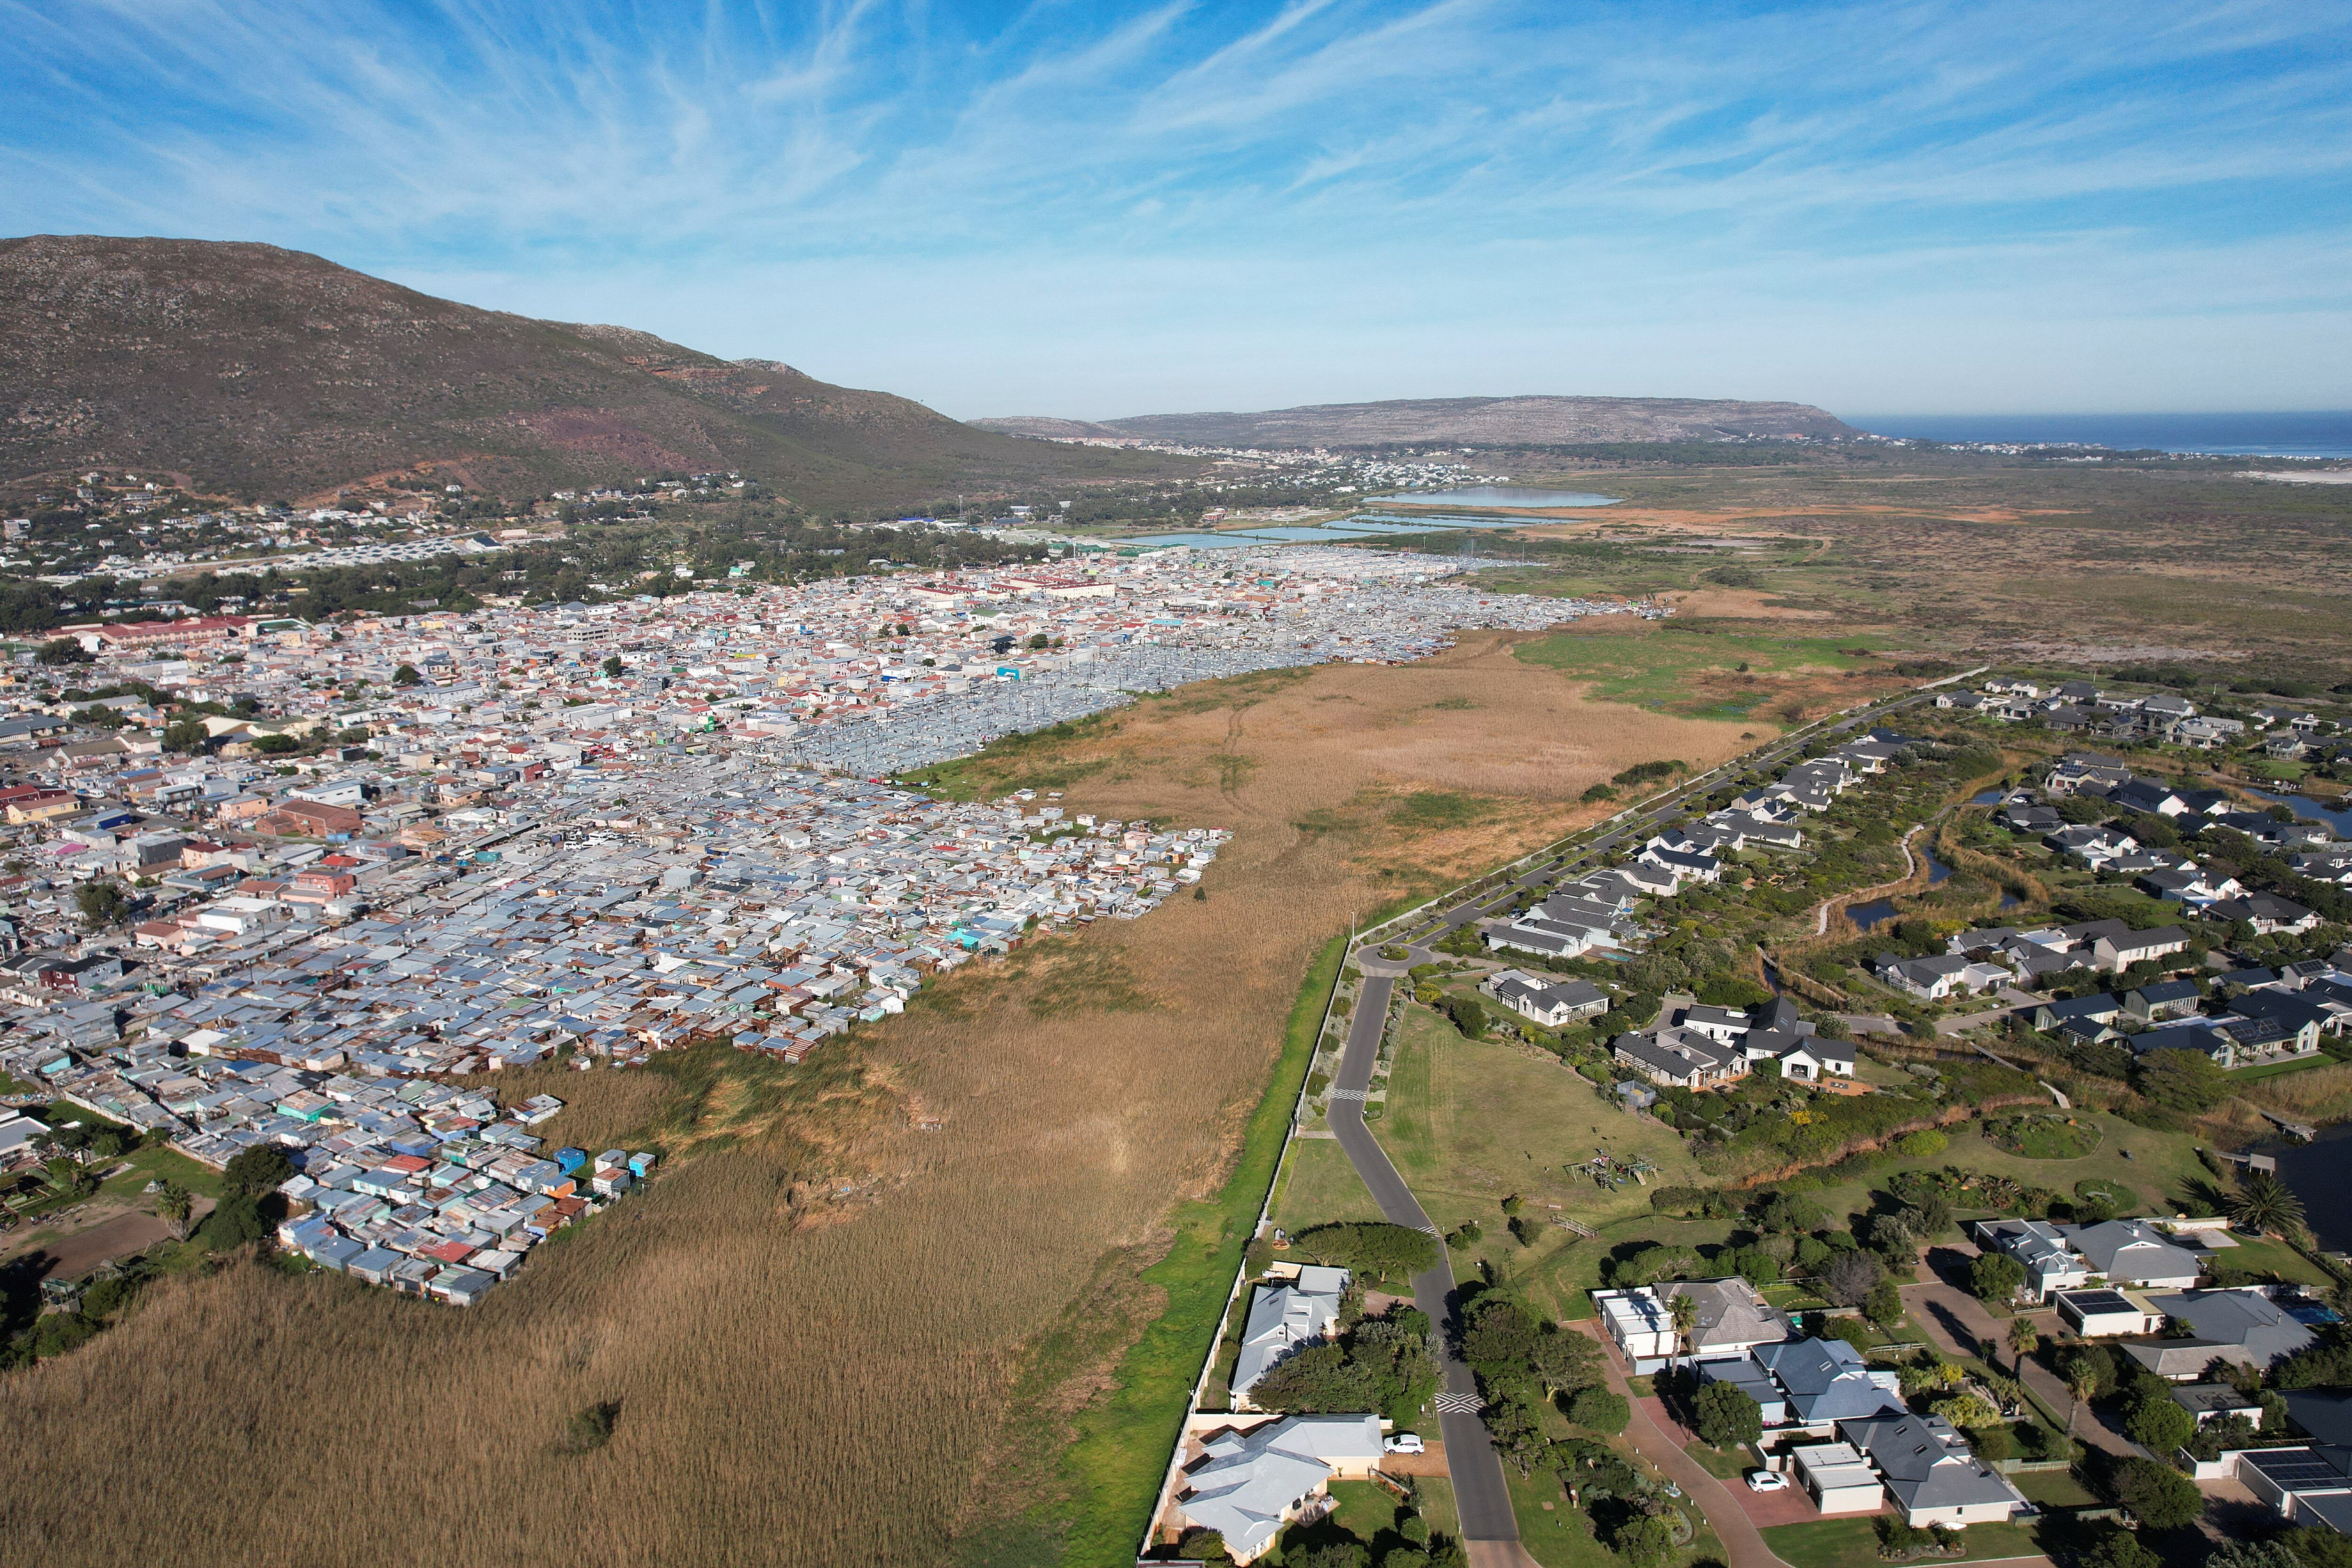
x,y
1500,496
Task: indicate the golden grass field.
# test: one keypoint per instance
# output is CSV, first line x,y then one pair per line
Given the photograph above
x,y
818,1325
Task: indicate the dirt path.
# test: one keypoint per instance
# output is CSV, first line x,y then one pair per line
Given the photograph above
x,y
1839,901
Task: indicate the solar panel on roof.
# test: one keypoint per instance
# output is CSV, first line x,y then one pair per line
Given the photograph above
x,y
2293,1469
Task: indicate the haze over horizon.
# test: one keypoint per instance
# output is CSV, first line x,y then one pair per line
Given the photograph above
x,y
1104,211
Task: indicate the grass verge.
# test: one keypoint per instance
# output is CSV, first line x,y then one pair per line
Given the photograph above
x,y
1854,1542
1114,1467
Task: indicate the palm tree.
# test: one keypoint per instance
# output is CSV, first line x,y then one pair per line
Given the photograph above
x,y
175,1204
2082,1382
2266,1204
2024,1338
1684,1311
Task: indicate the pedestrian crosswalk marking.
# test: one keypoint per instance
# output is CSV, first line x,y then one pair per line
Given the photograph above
x,y
1348,1094
1459,1404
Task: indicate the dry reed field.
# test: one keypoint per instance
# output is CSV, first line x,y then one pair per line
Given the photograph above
x,y
820,1323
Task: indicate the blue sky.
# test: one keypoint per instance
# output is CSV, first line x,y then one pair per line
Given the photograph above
x,y
1096,210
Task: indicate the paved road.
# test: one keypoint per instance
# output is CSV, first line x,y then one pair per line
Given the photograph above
x,y
1479,1492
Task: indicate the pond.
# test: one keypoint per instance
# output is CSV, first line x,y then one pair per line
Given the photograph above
x,y
1872,913
1501,495
2322,1177
1877,911
2333,815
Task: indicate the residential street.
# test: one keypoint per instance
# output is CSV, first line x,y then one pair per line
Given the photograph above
x,y
1958,1322
1480,1495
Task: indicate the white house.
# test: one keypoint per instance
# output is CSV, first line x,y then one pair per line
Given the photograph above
x,y
1250,1482
1733,1318
1284,1319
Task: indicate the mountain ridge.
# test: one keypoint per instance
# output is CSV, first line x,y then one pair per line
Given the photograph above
x,y
259,372
1523,420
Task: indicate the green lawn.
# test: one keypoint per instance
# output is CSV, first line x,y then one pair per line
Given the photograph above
x,y
1854,1542
1470,1122
1433,1497
1318,1185
2265,1256
1723,1464
1676,671
2054,1488
156,1160
2154,1165
2318,1060
1561,1536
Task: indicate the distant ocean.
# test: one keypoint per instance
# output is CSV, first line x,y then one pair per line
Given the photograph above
x,y
2245,435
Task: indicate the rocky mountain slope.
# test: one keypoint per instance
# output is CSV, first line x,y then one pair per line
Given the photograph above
x,y
1489,421
249,370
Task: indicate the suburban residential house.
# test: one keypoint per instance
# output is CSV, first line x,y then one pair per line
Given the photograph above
x,y
2165,999
2066,1256
1933,978
1284,1319
1840,1479
2107,1313
2308,1485
1733,1318
2211,1401
1554,1005
2192,885
2267,913
1250,1481
2241,1326
1771,1031
1931,1473
1810,1385
1683,1057
1690,865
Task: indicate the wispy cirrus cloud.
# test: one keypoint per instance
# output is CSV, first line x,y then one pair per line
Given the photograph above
x,y
1330,198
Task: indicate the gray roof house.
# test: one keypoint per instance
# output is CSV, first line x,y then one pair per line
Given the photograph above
x,y
1930,1471
1285,1317
1681,1056
2062,1256
1810,1384
1247,1485
2133,1252
1550,1005
2243,1327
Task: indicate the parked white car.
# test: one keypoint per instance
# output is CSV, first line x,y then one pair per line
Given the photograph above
x,y
1766,1481
1404,1442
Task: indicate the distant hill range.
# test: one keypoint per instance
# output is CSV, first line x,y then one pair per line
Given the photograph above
x,y
250,371
1487,421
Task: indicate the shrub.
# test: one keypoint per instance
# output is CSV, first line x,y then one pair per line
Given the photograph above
x,y
1920,1144
1598,1410
1383,1251
1996,1276
2158,1496
2119,1549
1725,1414
591,1428
2158,1424
1884,1305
